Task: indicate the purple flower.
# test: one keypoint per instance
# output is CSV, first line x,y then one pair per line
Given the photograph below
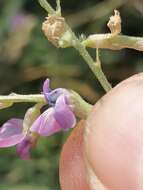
x,y
59,117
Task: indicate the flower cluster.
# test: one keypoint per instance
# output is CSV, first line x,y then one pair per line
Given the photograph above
x,y
25,133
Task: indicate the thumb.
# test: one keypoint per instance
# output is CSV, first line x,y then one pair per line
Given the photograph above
x,y
114,136
72,169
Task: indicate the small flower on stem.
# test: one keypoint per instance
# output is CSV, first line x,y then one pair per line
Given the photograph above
x,y
59,117
25,133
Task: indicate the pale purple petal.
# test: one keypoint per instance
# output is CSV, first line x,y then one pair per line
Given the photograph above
x,y
63,113
46,86
11,133
24,147
46,124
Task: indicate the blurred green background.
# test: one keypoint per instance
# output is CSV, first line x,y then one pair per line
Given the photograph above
x,y
27,58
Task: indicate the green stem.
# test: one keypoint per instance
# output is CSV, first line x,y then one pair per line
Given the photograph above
x,y
38,98
96,69
47,6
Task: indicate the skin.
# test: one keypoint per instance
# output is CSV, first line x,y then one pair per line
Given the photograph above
x,y
75,172
72,166
111,143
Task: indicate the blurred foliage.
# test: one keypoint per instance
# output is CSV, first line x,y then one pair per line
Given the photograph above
x,y
27,58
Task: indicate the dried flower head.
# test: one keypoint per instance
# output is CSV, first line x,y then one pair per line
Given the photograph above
x,y
54,28
114,23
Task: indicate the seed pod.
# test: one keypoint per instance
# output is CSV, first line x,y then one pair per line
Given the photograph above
x,y
54,28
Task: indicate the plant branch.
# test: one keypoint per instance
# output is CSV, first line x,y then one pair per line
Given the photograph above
x,y
75,42
114,42
38,98
94,66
